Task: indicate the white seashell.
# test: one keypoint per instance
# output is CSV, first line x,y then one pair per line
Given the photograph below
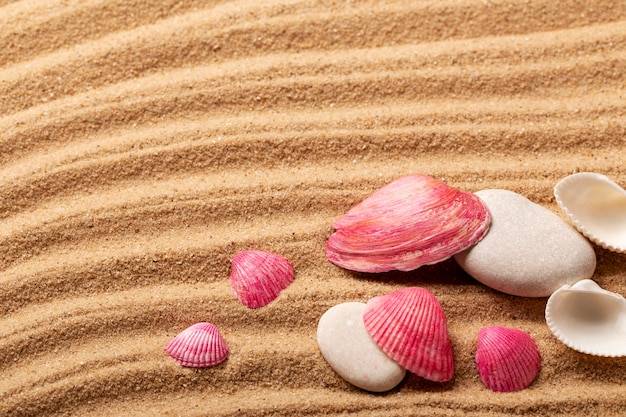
x,y
596,206
588,318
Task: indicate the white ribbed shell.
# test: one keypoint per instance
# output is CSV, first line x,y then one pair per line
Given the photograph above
x,y
588,319
596,206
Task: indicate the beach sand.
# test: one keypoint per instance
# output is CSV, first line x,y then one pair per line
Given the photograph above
x,y
143,144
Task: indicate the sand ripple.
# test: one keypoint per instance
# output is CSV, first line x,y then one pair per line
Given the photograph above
x,y
142,144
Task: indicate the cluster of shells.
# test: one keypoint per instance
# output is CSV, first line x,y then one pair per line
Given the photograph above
x,y
414,221
406,330
257,279
418,220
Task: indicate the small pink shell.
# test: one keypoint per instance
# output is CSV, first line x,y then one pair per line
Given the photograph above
x,y
507,359
198,346
410,326
258,277
413,221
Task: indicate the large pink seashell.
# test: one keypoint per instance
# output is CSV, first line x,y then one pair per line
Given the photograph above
x,y
410,326
413,221
507,359
258,277
198,346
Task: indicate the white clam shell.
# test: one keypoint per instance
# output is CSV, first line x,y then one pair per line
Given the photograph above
x,y
596,206
588,318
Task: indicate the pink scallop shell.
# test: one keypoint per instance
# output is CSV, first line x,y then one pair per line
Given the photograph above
x,y
198,346
507,359
258,277
413,221
410,326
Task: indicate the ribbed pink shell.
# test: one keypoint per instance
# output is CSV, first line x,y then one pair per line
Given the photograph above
x,y
413,221
258,277
198,346
507,359
410,326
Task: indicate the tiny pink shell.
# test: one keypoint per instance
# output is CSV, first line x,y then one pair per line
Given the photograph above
x,y
413,221
410,326
258,277
507,359
198,346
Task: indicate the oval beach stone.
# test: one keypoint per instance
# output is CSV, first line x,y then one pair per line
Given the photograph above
x,y
529,251
351,351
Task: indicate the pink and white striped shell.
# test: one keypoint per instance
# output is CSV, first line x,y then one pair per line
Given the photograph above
x,y
410,326
413,221
507,359
258,277
198,346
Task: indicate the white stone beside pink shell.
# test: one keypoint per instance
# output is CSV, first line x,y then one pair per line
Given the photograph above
x,y
371,345
413,221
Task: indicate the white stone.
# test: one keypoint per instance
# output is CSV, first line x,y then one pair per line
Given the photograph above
x,y
529,251
351,351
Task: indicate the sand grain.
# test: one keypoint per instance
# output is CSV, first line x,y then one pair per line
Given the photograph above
x,y
143,144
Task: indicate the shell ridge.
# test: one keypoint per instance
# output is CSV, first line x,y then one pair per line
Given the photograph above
x,y
506,359
259,277
413,329
433,333
409,325
516,378
200,345
196,346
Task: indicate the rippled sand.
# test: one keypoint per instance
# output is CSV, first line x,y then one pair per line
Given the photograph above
x,y
143,144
